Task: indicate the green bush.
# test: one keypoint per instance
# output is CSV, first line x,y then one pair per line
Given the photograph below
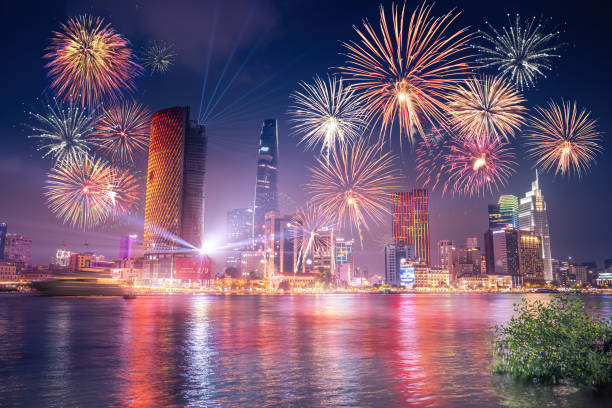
x,y
555,341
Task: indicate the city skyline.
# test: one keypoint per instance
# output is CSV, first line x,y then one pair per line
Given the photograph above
x,y
467,216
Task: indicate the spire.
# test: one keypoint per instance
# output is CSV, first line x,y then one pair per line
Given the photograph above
x,y
537,182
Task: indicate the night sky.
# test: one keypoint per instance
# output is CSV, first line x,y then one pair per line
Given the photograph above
x,y
289,42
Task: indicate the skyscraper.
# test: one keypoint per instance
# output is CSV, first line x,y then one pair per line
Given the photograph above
x,y
531,265
533,217
239,229
395,256
504,214
279,244
509,210
18,248
410,221
445,248
266,198
174,208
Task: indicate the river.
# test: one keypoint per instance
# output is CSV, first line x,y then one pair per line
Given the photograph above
x,y
262,351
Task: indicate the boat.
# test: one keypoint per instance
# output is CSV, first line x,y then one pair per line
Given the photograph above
x,y
80,286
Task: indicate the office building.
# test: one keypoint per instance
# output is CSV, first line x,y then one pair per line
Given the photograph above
x,y
323,260
509,210
410,222
239,229
345,264
471,243
531,264
278,244
501,252
266,194
18,249
578,274
464,261
533,218
445,247
3,232
591,268
395,256
174,208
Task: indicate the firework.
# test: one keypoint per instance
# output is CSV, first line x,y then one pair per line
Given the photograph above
x,y
63,131
563,138
326,113
122,130
123,190
77,192
478,166
429,164
405,71
89,59
521,52
158,57
486,107
353,185
309,225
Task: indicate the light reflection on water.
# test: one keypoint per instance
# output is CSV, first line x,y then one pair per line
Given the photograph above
x,y
309,350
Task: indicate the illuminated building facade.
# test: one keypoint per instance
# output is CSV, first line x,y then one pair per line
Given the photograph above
x,y
531,264
266,197
410,221
533,217
501,251
509,210
174,208
344,252
445,248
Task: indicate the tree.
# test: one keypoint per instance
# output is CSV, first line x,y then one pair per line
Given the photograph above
x,y
554,342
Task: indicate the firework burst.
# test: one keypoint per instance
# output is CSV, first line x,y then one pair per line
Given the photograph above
x,y
309,225
123,130
429,164
77,192
405,71
353,186
158,57
123,189
563,138
486,107
478,166
89,59
63,131
326,113
521,52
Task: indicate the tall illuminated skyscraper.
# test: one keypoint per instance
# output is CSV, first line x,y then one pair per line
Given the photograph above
x,y
410,221
174,208
445,248
266,198
533,217
509,210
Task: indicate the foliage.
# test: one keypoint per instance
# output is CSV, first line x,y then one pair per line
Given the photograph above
x,y
555,341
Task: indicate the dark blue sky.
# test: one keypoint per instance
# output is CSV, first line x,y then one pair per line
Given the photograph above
x,y
296,40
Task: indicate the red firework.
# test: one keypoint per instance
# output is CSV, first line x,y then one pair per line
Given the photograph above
x,y
478,166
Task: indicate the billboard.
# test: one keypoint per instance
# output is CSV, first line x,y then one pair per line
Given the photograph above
x,y
407,275
193,268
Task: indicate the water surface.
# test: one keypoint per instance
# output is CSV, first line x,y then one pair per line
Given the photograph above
x,y
302,350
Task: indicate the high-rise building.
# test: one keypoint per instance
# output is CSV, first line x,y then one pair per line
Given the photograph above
x,y
18,248
533,217
345,264
279,244
395,256
266,197
126,242
464,262
410,221
3,232
494,217
239,229
445,247
471,243
591,267
578,274
509,210
501,252
174,208
531,264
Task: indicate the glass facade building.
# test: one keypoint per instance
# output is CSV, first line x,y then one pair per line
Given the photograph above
x,y
266,197
533,217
